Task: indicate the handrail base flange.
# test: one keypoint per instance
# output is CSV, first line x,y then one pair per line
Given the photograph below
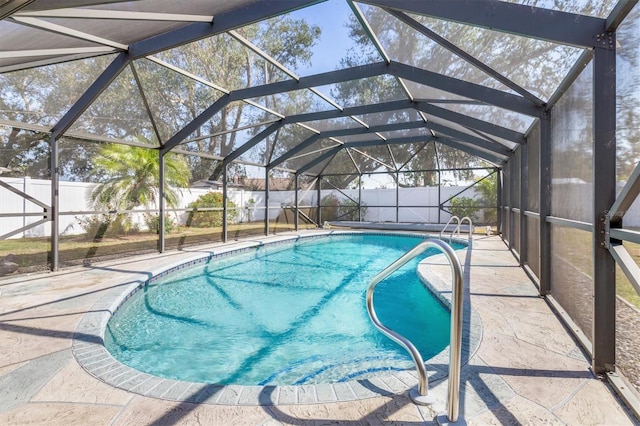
x,y
443,420
427,399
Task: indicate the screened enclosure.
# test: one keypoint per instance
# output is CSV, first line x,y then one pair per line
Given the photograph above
x,y
144,126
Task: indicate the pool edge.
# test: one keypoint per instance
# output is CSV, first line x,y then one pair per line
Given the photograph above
x,y
89,351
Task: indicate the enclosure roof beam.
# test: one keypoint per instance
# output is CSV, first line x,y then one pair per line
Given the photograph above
x,y
253,142
482,143
495,160
293,151
47,61
223,22
356,110
619,13
8,8
91,94
627,196
528,21
464,55
452,85
465,120
346,132
320,159
458,144
394,141
194,124
470,122
469,90
373,129
322,79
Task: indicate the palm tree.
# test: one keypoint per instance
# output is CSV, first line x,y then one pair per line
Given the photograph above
x,y
133,177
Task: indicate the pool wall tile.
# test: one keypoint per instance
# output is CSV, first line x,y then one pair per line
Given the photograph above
x,y
287,395
325,393
393,383
269,395
161,388
344,392
98,369
363,389
230,395
307,394
410,380
203,393
146,387
137,381
250,395
176,392
110,376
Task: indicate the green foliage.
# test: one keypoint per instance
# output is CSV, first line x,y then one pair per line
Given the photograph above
x,y
210,218
152,221
132,177
335,209
348,210
329,207
464,206
108,225
488,189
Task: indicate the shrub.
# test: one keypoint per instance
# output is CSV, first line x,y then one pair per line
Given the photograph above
x,y
348,210
329,207
152,221
211,218
108,225
464,206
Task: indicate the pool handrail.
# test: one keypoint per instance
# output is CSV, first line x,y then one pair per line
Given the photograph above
x,y
468,219
456,230
455,354
457,219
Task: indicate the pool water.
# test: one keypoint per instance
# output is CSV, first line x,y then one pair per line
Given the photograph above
x,y
285,314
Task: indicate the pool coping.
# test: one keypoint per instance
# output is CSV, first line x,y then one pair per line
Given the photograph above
x,y
94,358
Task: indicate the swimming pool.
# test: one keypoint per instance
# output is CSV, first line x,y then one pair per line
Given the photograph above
x,y
285,314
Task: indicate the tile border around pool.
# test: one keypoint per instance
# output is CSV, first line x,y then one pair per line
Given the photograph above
x,y
90,352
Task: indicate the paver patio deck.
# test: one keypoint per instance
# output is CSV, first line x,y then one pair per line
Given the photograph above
x,y
527,369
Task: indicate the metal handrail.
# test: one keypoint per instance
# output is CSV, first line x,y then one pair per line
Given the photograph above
x,y
457,219
456,230
455,355
468,219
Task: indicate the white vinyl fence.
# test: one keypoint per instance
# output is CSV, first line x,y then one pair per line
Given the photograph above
x,y
250,205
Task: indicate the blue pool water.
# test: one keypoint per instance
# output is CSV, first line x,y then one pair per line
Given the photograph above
x,y
285,314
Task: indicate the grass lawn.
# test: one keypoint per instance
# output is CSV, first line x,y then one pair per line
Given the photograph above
x,y
34,252
575,244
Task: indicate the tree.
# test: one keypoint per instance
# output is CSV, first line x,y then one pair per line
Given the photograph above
x,y
224,61
133,177
488,189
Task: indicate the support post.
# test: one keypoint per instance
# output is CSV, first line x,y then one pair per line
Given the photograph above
x,y
524,202
161,201
266,202
604,196
499,209
297,213
54,213
360,198
512,185
545,204
225,204
318,212
439,198
397,197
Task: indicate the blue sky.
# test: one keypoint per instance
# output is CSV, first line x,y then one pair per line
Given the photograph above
x,y
331,16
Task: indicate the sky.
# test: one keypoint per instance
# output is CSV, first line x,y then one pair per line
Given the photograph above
x,y
331,16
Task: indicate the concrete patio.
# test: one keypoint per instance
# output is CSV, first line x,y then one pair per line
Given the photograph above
x,y
527,369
